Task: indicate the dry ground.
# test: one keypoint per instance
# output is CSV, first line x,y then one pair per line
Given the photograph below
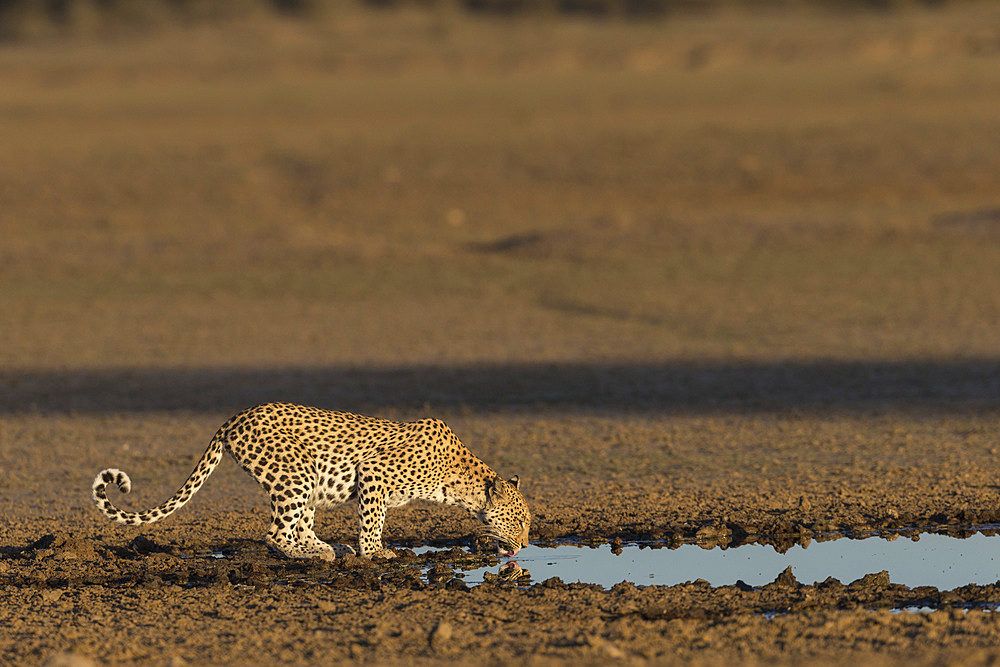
x,y
731,274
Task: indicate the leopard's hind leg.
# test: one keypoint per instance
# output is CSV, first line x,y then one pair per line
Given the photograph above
x,y
292,516
306,538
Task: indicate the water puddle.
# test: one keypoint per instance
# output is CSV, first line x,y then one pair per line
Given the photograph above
x,y
934,560
217,555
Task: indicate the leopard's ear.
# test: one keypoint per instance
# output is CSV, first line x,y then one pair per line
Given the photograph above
x,y
495,491
515,481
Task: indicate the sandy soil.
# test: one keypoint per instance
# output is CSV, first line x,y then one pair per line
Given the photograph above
x,y
720,279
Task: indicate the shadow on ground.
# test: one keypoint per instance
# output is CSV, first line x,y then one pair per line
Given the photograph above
x,y
672,387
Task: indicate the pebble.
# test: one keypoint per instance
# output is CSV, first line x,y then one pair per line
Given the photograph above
x,y
441,633
69,660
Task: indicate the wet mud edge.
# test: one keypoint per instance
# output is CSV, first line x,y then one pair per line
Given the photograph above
x,y
780,533
54,564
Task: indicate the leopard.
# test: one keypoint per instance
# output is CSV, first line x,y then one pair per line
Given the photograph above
x,y
306,458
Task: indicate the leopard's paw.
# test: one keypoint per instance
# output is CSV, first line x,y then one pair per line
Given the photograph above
x,y
343,550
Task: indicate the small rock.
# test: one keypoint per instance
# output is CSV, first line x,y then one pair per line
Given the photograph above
x,y
52,595
441,633
144,545
874,580
440,573
352,562
653,611
605,647
616,546
456,584
220,579
713,534
831,583
786,579
69,660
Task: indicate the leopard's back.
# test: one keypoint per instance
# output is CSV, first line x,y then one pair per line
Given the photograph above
x,y
280,438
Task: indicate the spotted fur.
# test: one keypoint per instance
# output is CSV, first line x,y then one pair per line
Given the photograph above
x,y
306,458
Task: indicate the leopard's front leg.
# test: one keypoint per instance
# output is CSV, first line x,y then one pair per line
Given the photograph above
x,y
372,496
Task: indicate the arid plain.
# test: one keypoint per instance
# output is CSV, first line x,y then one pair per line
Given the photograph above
x,y
729,277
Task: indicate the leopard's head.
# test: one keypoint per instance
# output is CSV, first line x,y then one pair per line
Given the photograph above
x,y
506,515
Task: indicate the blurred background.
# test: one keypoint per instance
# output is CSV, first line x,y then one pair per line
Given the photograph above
x,y
502,201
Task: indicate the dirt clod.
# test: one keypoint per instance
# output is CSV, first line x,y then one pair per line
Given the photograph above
x,y
440,635
786,579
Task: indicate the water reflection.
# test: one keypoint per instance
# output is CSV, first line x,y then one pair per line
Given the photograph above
x,y
934,560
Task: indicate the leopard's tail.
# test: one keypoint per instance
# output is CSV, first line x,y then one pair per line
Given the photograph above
x,y
209,460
